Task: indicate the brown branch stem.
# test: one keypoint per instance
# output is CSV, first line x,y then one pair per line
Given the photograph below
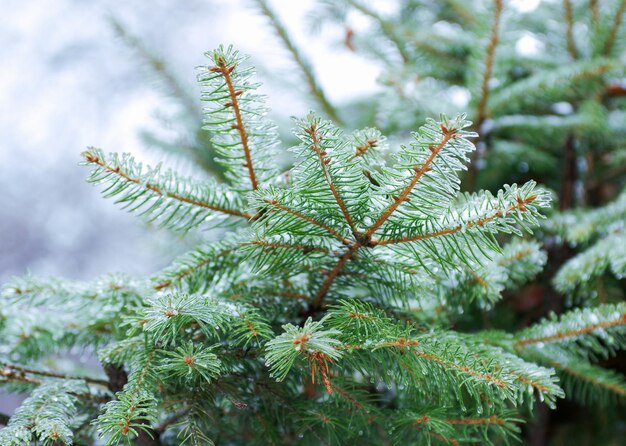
x,y
569,29
617,23
301,61
310,220
572,333
330,278
312,131
12,368
419,172
304,248
387,27
481,110
234,103
493,419
91,158
489,61
186,272
610,387
521,205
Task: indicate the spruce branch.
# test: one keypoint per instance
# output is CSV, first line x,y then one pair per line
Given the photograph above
x,y
174,201
313,132
382,254
386,26
48,415
302,217
505,374
199,268
310,342
564,335
315,89
601,330
489,63
234,103
569,29
482,112
615,28
607,380
158,65
191,363
332,275
235,118
567,83
437,154
437,424
133,412
574,277
582,381
13,369
448,135
521,205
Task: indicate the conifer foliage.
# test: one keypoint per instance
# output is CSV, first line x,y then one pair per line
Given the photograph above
x,y
320,317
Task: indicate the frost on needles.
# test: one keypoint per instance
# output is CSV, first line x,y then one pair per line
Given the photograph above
x,y
321,317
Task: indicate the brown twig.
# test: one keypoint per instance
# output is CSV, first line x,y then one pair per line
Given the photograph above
x,y
481,109
173,419
595,12
319,297
387,27
308,219
12,375
621,391
569,29
519,205
572,333
448,134
617,22
25,370
570,174
305,67
364,148
304,248
324,162
489,62
91,158
493,419
191,269
234,103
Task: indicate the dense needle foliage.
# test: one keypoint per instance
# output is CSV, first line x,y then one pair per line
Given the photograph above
x,y
342,302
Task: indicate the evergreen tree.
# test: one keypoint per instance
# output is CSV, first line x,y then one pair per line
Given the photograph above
x,y
545,89
338,308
